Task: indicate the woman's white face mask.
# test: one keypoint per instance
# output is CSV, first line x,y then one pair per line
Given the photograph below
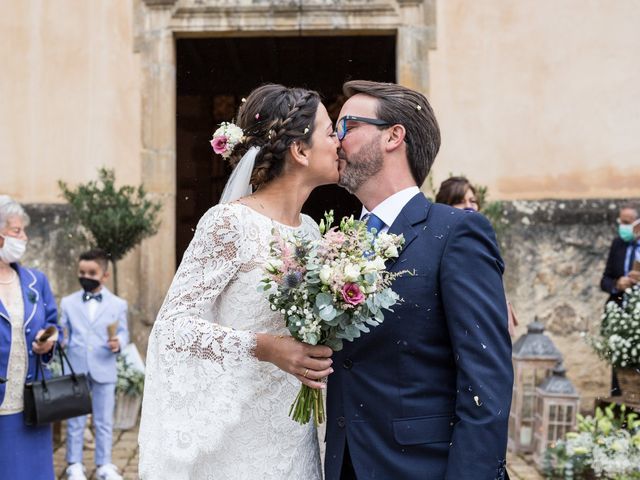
x,y
13,249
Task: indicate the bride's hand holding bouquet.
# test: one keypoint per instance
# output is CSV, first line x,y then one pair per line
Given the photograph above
x,y
330,290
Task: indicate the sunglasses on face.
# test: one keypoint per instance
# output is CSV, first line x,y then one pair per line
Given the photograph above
x,y
341,126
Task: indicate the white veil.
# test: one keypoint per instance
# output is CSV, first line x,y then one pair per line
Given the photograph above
x,y
239,183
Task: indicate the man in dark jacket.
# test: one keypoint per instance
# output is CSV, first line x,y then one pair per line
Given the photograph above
x,y
619,273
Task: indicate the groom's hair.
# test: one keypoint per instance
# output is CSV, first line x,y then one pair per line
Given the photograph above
x,y
272,118
411,109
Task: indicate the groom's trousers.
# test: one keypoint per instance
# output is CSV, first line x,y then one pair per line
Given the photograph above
x,y
347,472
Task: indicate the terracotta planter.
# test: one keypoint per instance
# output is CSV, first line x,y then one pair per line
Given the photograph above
x,y
126,411
629,379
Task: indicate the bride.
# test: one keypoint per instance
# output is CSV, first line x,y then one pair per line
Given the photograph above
x,y
222,370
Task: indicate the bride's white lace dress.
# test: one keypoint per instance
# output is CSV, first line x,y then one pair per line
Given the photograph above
x,y
211,410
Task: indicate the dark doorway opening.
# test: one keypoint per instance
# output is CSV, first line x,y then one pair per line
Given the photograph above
x,y
213,74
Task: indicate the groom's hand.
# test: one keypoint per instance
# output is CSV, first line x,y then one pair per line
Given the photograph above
x,y
308,363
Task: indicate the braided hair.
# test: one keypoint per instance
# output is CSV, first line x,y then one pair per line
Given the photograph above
x,y
272,118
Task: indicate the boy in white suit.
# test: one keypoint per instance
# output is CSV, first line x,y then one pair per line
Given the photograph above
x,y
87,316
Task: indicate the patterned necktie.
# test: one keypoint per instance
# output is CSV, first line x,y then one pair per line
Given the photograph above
x,y
86,296
374,221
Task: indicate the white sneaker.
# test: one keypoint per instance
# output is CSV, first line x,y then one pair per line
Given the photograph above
x,y
108,472
75,471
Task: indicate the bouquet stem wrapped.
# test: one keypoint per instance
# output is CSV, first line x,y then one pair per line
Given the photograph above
x,y
330,290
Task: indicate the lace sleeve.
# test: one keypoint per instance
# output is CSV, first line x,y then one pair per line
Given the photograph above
x,y
199,372
184,324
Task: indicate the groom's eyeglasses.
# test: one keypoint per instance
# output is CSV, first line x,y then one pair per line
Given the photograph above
x,y
341,126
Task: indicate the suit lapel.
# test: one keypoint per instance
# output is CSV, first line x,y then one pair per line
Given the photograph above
x,y
101,305
3,312
30,295
413,213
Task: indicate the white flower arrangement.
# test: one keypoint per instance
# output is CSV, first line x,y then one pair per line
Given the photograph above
x,y
619,339
330,290
130,380
605,447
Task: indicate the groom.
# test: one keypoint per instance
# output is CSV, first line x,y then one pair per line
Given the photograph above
x,y
425,395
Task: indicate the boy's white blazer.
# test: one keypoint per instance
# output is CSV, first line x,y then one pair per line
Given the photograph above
x,y
86,339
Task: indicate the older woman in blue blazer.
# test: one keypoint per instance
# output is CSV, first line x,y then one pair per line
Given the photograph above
x,y
27,307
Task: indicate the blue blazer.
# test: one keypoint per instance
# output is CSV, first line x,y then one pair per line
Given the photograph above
x,y
86,340
40,312
426,394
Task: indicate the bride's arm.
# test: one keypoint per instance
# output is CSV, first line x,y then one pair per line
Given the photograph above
x,y
213,257
184,327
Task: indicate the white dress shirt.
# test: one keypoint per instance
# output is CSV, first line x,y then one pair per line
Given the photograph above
x,y
389,209
92,306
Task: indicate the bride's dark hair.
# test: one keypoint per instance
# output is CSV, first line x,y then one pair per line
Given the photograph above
x,y
272,118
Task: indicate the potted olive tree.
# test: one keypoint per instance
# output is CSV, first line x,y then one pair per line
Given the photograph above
x,y
113,219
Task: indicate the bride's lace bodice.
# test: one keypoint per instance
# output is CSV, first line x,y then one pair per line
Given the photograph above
x,y
211,410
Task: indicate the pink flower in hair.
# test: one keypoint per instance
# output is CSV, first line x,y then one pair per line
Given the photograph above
x,y
219,144
226,138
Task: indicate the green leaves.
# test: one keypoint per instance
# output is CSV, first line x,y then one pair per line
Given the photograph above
x,y
116,218
130,381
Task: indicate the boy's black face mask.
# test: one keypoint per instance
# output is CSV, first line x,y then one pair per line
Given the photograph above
x,y
88,284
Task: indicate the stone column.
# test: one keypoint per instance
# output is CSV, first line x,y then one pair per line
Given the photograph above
x,y
416,36
158,86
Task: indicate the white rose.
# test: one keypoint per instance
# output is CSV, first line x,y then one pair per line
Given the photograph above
x,y
326,272
375,265
273,265
351,272
391,252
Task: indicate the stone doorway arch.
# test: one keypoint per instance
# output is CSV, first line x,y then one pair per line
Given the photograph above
x,y
157,23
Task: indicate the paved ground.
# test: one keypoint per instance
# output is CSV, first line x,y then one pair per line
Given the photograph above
x,y
125,457
521,468
124,454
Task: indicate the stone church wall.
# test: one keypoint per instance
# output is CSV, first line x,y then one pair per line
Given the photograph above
x,y
554,250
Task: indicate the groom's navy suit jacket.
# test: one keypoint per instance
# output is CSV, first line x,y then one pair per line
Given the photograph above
x,y
426,394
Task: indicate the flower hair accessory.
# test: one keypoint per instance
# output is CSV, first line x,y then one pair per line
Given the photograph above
x,y
226,138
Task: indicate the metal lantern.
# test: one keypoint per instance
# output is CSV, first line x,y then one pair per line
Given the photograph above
x,y
534,356
557,407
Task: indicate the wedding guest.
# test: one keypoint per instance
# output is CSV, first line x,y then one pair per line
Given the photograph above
x,y
27,308
460,193
95,325
619,274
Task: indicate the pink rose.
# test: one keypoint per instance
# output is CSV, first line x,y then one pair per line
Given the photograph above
x,y
352,294
219,144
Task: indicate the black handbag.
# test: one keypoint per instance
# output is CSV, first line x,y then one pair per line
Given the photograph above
x,y
58,398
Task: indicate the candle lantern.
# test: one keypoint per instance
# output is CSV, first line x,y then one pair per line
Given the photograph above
x,y
534,356
557,407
